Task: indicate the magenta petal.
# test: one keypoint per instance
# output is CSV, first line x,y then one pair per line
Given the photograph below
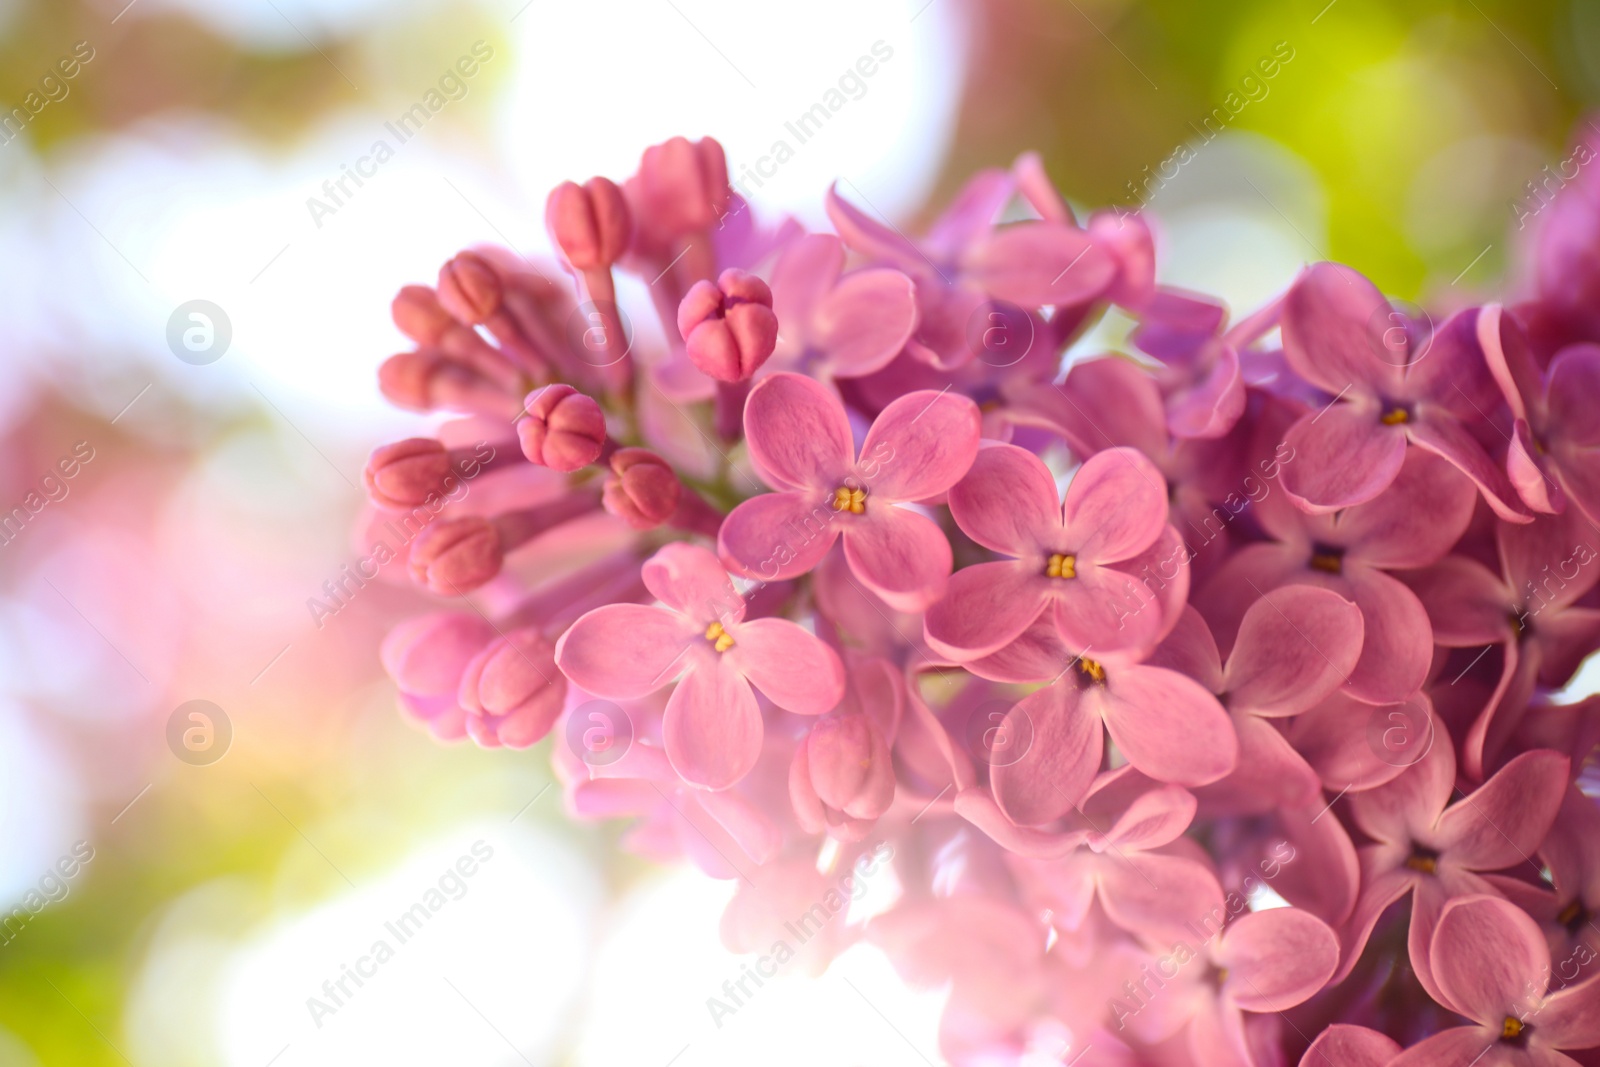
x,y
1414,524
1467,605
789,664
985,607
1057,767
900,555
1277,958
712,725
625,651
1295,646
1214,403
1342,456
1397,646
1168,726
1037,264
1473,1045
778,536
801,278
1190,649
919,446
1570,1017
1333,330
1007,501
1442,435
798,434
689,580
1115,506
1399,810
865,321
1350,1046
1527,473
866,235
1505,818
1574,383
1488,958
1103,609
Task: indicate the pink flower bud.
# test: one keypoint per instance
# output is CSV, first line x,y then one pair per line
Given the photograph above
x,y
456,556
590,223
427,655
418,314
564,430
404,474
842,774
469,288
683,185
728,327
513,691
645,491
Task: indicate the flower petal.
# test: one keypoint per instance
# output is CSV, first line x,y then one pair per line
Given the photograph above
x,y
690,580
1333,330
1295,646
1505,818
900,555
1397,646
1350,1046
1489,959
1105,609
1400,810
1168,726
624,651
985,607
1053,774
804,273
1442,435
865,321
1156,896
798,434
1277,958
1467,605
919,446
712,725
1342,456
1007,501
778,536
1463,1045
1036,264
1414,524
789,664
1115,507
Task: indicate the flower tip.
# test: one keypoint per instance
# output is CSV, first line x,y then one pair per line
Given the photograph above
x,y
728,327
644,491
404,474
469,288
589,223
455,556
418,314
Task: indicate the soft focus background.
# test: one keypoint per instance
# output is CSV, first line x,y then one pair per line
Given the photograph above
x,y
209,900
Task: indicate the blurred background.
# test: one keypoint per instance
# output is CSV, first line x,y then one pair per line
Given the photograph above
x,y
176,897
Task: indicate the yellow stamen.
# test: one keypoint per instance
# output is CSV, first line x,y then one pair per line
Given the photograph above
x,y
1423,864
851,500
1062,566
1327,562
1571,913
720,639
1092,670
1395,416
1511,1028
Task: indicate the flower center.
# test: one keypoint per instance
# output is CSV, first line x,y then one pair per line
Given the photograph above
x,y
1395,417
1091,670
1062,566
1423,860
1573,916
1519,625
1328,559
720,639
851,500
1512,1029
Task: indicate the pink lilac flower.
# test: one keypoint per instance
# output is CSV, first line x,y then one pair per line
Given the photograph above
x,y
1492,966
699,635
1389,389
1066,553
801,444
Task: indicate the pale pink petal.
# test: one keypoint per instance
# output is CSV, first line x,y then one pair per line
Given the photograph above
x,y
712,725
798,434
689,580
624,651
1276,958
1341,739
1106,609
745,822
1344,1045
1526,468
1342,456
1295,646
1467,604
777,536
1007,501
985,607
1155,896
1270,773
1463,1046
1424,513
1214,403
865,321
804,273
1190,649
1397,646
1570,1017
1060,761
867,235
1399,810
1115,507
1035,264
979,808
919,446
789,664
900,555
1168,726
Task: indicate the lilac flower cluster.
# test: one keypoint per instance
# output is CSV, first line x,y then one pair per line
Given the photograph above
x,y
1122,653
